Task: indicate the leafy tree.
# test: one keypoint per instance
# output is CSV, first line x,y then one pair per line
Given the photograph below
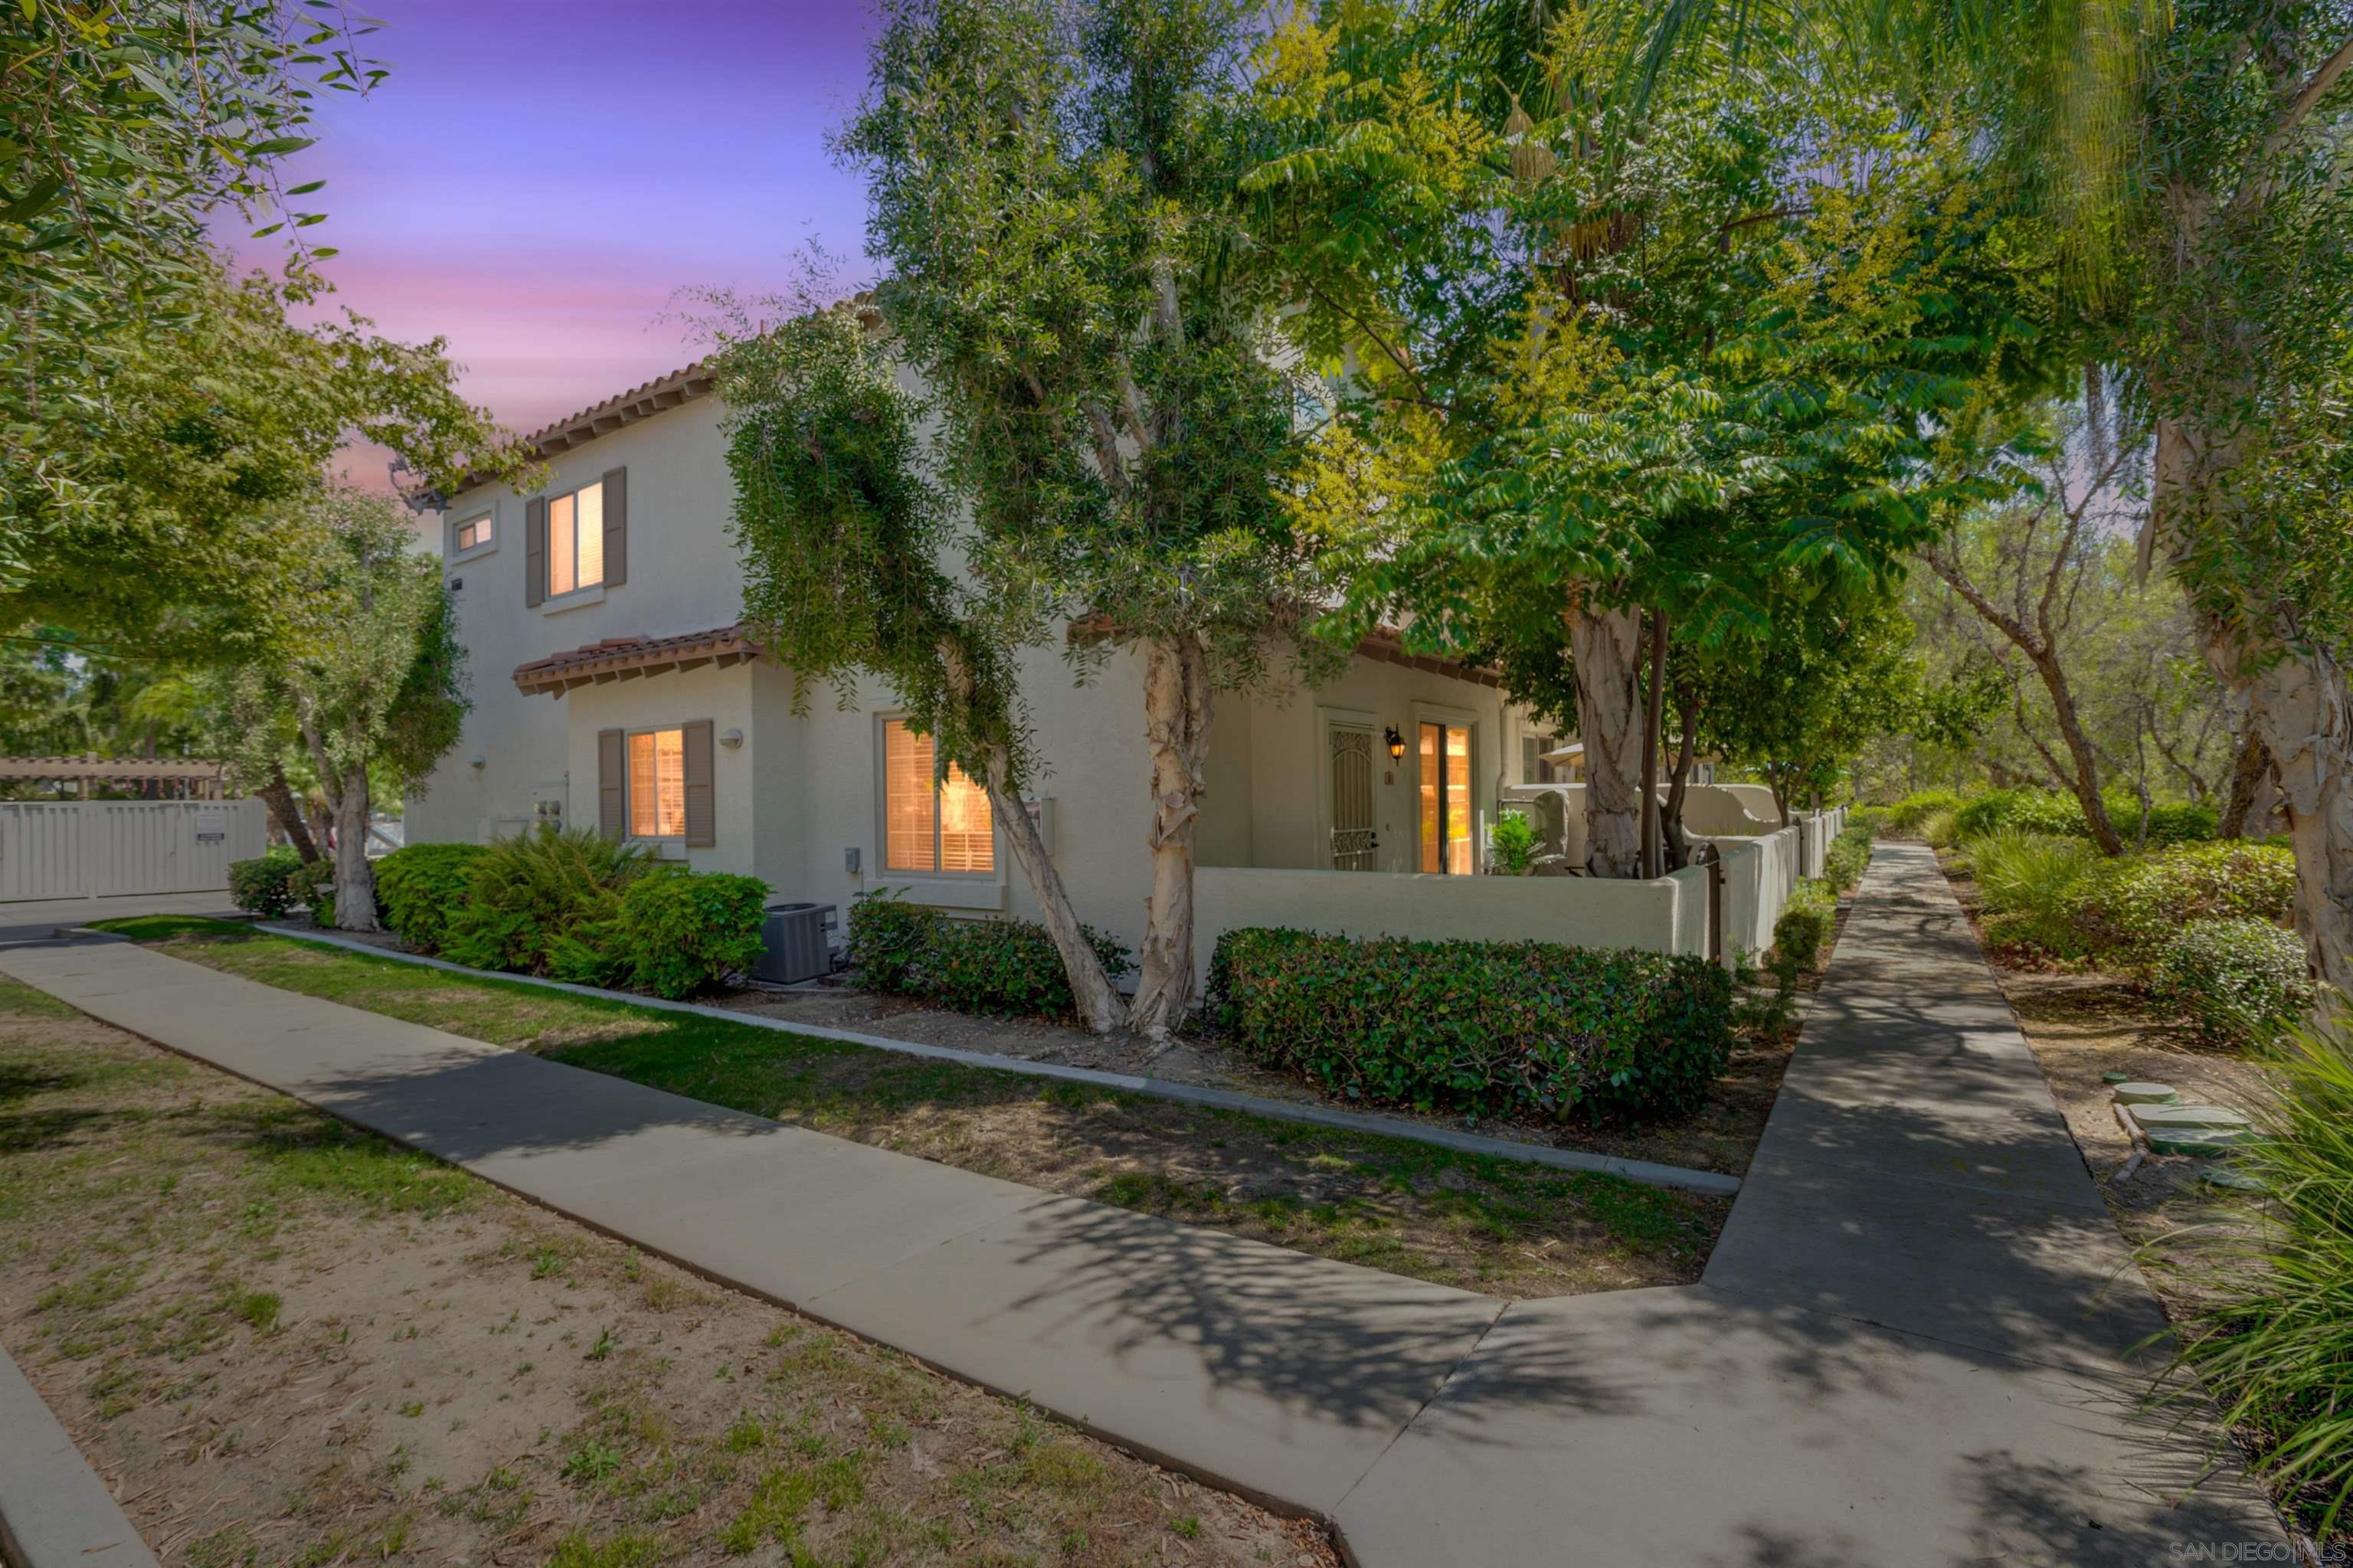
x,y
209,432
849,553
1607,355
1052,196
2184,166
129,127
369,675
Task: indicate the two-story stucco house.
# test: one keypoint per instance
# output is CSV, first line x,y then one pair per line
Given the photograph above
x,y
611,687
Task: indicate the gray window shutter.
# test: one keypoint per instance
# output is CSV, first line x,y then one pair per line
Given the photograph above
x,y
534,550
701,821
617,526
612,768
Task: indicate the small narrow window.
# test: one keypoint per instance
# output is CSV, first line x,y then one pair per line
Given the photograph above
x,y
930,823
474,530
1445,812
576,539
658,784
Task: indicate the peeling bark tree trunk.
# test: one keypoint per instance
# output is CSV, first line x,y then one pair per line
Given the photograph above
x,y
1176,731
1653,848
1607,646
354,877
2300,708
279,796
1091,989
2249,776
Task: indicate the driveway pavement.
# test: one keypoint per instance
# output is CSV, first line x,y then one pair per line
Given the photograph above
x,y
1909,1348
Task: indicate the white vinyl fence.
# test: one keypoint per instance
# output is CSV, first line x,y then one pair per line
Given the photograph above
x,y
104,848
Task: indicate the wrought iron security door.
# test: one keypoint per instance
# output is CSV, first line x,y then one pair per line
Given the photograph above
x,y
1355,844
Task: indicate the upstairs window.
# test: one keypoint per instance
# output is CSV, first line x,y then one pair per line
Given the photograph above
x,y
576,539
930,823
474,530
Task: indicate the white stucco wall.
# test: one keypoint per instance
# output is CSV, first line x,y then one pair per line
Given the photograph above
x,y
1577,910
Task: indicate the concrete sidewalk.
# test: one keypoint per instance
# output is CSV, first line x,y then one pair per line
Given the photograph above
x,y
1907,1348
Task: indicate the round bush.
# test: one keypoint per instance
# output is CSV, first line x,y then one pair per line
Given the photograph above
x,y
2241,982
679,931
2130,906
420,887
528,894
273,883
889,939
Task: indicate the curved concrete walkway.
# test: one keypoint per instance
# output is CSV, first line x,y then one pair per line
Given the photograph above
x,y
1908,1347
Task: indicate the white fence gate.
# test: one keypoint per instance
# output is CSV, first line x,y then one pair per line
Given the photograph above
x,y
98,849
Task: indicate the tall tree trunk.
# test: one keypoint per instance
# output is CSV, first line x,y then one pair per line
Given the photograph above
x,y
354,877
1091,989
1671,820
2083,778
1654,850
2300,706
279,796
1176,731
1607,647
2251,774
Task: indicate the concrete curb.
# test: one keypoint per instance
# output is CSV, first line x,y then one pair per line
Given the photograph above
x,y
1709,1183
54,1510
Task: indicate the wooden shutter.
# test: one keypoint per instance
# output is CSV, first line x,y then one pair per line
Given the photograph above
x,y
617,526
534,550
701,821
612,768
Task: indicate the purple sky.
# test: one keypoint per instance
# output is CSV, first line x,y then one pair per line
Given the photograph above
x,y
536,179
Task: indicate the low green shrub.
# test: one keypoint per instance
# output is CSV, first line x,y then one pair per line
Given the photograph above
x,y
529,892
273,883
678,931
2128,908
1515,844
420,888
2050,811
1521,1029
2272,1343
2025,882
1942,829
1008,967
888,939
2241,983
1907,815
1849,856
1802,930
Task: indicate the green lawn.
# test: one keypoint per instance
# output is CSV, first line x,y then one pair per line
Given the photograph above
x,y
1483,1224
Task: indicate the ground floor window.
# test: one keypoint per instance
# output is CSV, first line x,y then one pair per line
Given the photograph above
x,y
930,823
1445,798
658,784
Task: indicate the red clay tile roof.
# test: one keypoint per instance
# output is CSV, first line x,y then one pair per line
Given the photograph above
x,y
627,658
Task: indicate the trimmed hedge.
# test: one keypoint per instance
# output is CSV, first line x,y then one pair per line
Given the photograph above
x,y
273,883
2241,983
1518,1028
1848,856
1803,928
421,887
1009,967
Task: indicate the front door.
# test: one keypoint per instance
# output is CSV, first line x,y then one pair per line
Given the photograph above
x,y
1445,803
1355,846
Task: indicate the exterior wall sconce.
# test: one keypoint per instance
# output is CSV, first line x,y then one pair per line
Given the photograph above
x,y
479,763
732,739
1396,744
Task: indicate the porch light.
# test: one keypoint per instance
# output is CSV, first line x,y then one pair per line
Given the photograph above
x,y
1396,744
732,739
